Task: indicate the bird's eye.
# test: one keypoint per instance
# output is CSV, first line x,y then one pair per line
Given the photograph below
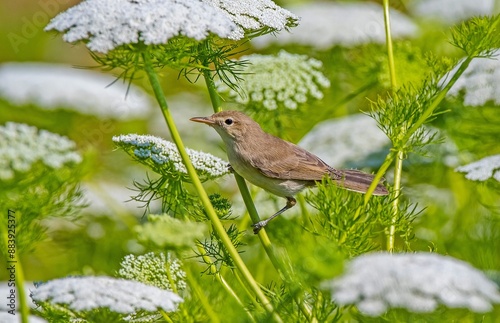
x,y
228,121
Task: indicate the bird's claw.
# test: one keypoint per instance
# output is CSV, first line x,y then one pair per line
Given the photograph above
x,y
230,168
258,226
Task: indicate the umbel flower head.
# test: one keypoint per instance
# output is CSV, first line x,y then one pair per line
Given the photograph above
x,y
56,86
163,157
107,24
154,269
419,282
23,146
483,169
122,296
284,80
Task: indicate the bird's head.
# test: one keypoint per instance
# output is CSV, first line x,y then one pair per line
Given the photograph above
x,y
231,125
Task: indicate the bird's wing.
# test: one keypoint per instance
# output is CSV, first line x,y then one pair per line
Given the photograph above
x,y
284,160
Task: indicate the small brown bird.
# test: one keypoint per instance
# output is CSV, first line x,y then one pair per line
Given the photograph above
x,y
276,165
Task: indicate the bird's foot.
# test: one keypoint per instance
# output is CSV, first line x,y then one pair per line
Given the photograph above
x,y
230,168
258,226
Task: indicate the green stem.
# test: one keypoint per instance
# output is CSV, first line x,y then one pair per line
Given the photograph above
x,y
212,90
388,39
398,171
398,167
216,223
24,309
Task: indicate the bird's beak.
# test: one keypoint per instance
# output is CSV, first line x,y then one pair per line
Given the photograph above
x,y
204,120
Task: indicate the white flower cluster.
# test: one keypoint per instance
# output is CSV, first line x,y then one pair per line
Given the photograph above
x,y
419,282
451,11
107,24
163,153
21,146
483,169
286,80
254,14
118,295
348,139
326,24
55,86
151,269
479,83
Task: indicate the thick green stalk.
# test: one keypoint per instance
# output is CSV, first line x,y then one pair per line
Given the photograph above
x,y
216,223
398,172
23,304
388,40
398,167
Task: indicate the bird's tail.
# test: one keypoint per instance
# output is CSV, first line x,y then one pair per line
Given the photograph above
x,y
357,181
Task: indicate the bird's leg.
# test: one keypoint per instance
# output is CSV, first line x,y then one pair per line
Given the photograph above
x,y
289,204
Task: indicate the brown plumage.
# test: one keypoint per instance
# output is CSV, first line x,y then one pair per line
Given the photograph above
x,y
276,165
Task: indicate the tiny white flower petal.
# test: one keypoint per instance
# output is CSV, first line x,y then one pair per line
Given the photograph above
x,y
118,295
483,169
56,86
379,281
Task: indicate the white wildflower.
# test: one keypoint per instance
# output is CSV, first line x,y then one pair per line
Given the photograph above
x,y
451,11
163,155
151,269
9,318
346,140
286,80
118,295
108,24
479,83
22,146
325,24
252,15
483,169
55,86
419,282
